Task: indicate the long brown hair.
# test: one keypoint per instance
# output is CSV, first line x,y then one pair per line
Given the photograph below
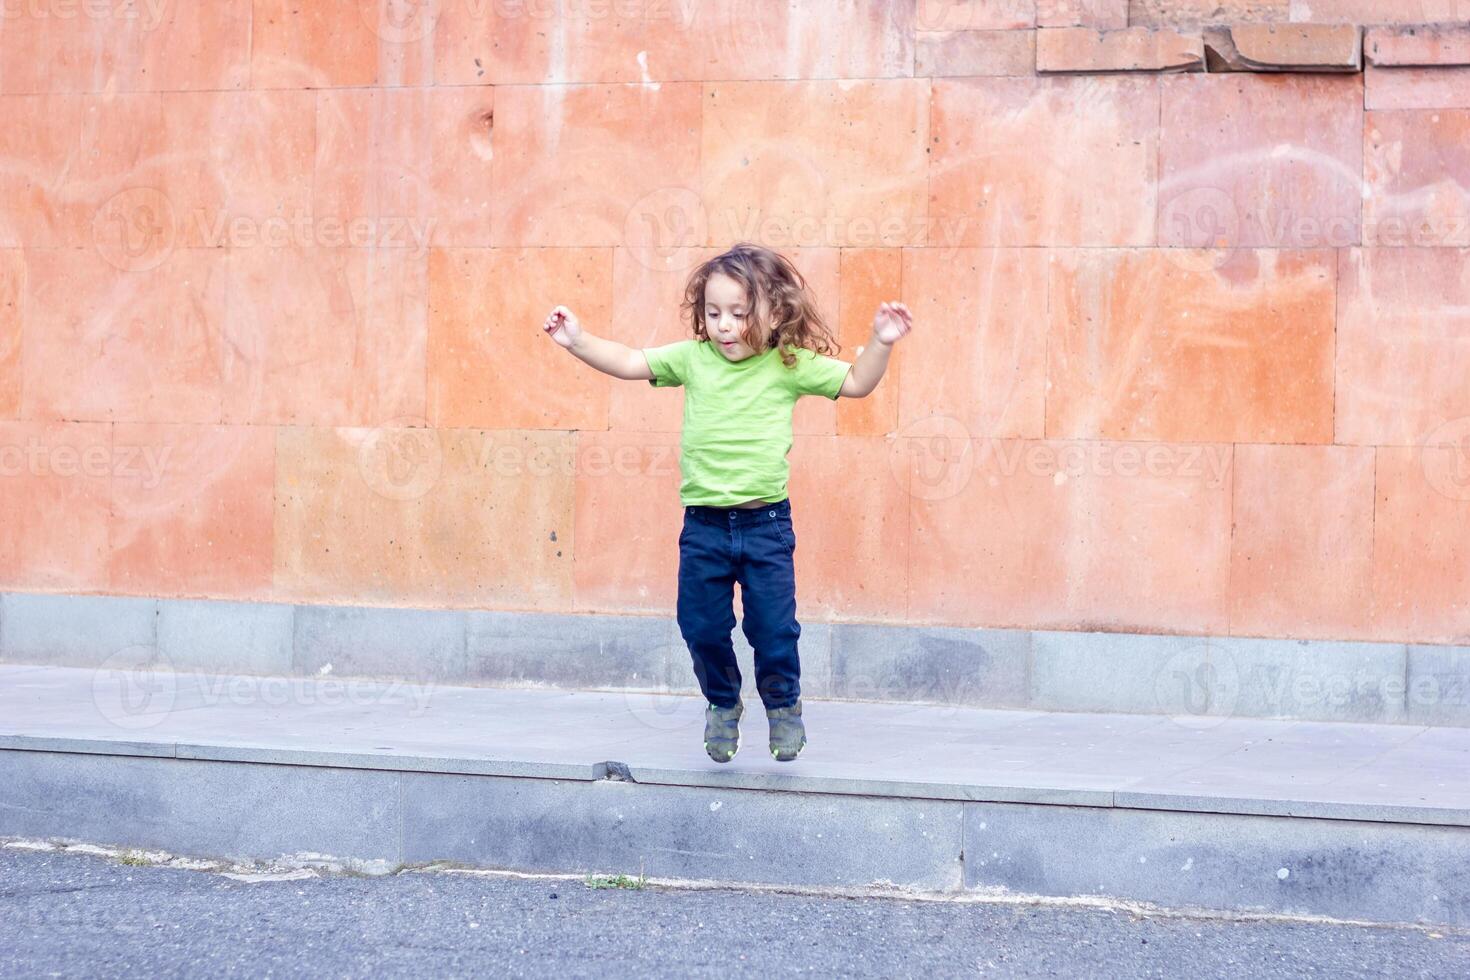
x,y
782,311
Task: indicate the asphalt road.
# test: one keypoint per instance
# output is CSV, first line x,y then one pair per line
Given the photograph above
x,y
72,914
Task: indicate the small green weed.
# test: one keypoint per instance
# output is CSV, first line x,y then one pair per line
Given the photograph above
x,y
616,881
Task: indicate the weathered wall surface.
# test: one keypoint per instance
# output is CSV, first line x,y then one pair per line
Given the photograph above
x,y
1191,354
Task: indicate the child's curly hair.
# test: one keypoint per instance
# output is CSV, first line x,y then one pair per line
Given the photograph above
x,y
783,311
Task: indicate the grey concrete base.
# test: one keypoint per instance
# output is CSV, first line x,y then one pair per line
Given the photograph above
x,y
1402,873
1206,677
1346,870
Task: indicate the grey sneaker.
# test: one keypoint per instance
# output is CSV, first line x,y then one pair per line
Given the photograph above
x,y
788,734
722,731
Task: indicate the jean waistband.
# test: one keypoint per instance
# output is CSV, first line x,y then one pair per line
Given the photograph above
x,y
740,516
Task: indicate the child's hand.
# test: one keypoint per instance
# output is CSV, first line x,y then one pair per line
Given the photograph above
x,y
562,324
892,323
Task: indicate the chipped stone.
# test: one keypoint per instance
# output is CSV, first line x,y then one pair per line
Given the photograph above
x,y
1284,47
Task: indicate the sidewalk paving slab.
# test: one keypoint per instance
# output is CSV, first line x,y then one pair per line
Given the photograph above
x,y
1245,814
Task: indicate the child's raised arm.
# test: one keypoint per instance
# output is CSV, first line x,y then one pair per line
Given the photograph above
x,y
608,356
891,323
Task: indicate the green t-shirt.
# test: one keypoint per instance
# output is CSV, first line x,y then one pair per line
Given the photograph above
x,y
737,417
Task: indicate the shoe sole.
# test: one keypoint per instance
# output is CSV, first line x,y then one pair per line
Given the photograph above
x,y
732,754
792,758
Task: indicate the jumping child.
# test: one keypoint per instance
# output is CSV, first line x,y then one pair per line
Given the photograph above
x,y
759,344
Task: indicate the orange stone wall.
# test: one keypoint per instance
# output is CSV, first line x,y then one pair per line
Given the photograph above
x,y
1191,354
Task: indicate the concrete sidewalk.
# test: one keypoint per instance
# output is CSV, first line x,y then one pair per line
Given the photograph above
x,y
1353,820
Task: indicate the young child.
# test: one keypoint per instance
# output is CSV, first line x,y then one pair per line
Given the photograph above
x,y
760,344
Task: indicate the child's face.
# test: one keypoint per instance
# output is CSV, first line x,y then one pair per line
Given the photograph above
x,y
725,316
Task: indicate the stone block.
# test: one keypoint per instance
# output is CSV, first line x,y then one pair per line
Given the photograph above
x,y
1421,46
1083,49
1284,47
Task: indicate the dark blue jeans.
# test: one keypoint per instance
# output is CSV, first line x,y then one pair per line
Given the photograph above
x,y
754,547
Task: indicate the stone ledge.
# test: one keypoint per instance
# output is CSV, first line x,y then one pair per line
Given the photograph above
x,y
1353,821
1083,50
1284,47
1340,771
1426,46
